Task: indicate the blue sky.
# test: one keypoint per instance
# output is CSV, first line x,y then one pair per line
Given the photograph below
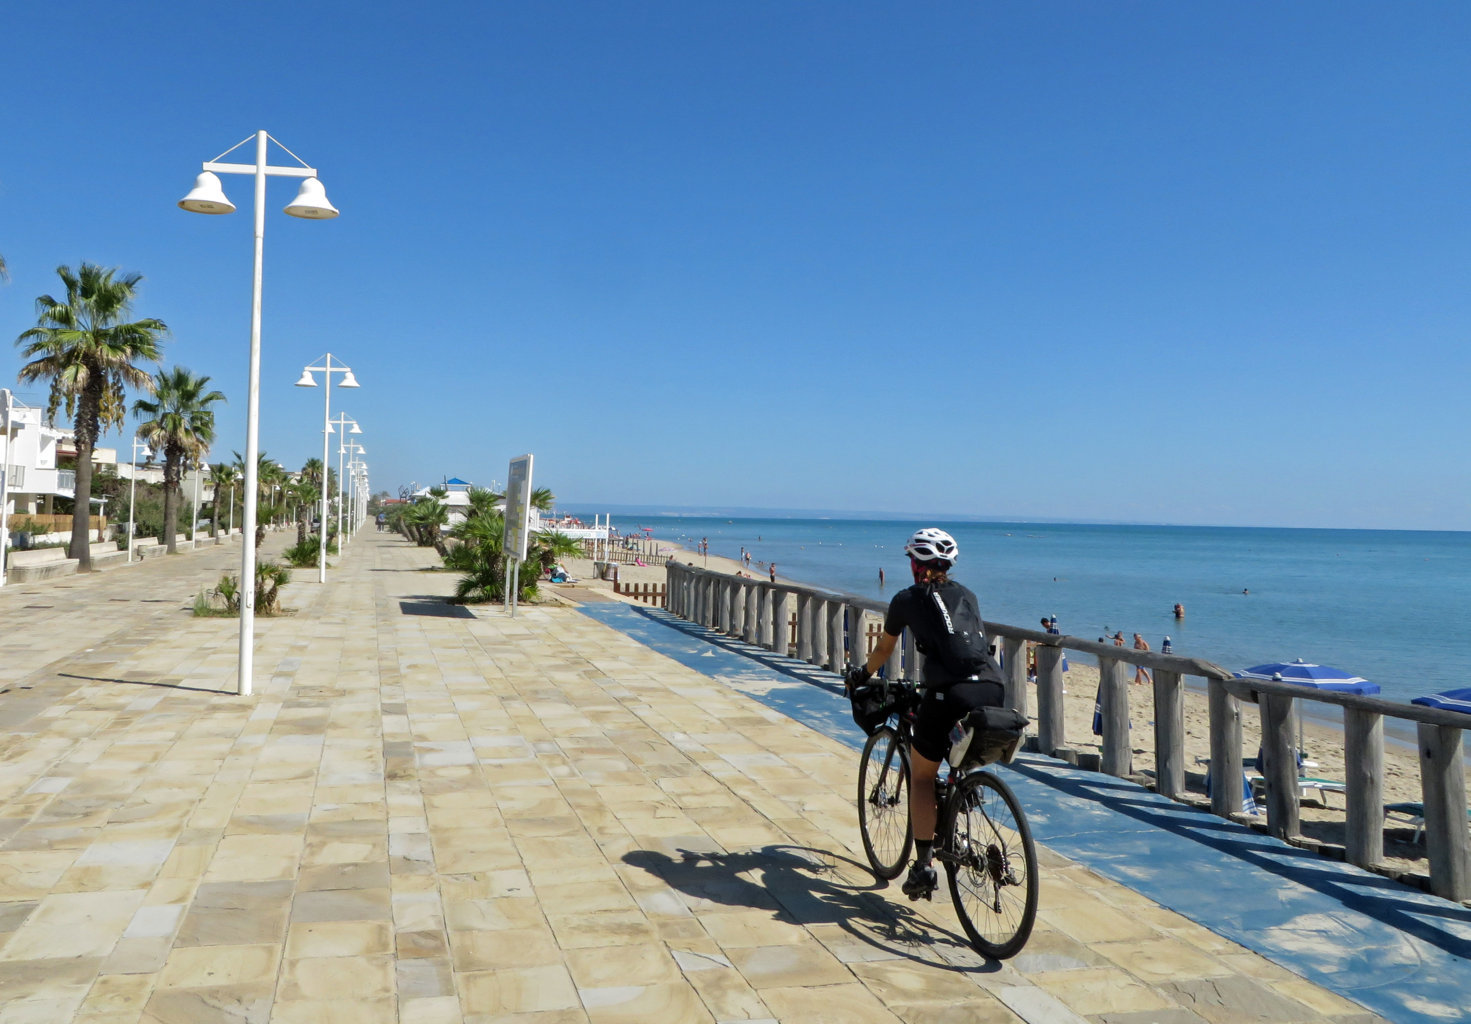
x,y
1151,262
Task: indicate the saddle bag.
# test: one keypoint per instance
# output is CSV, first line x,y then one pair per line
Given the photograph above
x,y
986,735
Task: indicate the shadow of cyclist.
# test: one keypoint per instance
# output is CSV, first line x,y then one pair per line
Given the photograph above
x,y
806,886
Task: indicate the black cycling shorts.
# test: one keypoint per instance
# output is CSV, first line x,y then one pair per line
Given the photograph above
x,y
939,710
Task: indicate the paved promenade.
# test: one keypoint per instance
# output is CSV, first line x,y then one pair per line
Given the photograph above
x,y
427,814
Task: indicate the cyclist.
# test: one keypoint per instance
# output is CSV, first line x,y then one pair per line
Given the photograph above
x,y
931,610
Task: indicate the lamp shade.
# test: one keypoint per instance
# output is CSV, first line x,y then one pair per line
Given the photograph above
x,y
307,380
349,381
207,196
355,429
311,202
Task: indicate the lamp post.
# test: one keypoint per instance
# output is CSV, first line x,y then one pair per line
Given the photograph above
x,y
310,204
307,381
341,422
353,450
133,491
352,471
8,407
194,526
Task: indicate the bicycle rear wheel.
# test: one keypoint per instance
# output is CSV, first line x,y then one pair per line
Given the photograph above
x,y
992,866
883,803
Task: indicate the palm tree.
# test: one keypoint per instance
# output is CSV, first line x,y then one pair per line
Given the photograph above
x,y
182,427
305,492
268,476
86,346
222,477
542,499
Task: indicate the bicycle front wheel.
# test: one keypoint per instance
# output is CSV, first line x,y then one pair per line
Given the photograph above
x,y
883,803
992,866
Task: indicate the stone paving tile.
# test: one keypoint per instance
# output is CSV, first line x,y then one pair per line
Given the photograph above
x,y
432,820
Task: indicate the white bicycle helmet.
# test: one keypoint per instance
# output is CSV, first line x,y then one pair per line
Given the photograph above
x,y
932,545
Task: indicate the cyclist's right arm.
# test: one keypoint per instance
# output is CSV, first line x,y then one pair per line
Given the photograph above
x,y
881,652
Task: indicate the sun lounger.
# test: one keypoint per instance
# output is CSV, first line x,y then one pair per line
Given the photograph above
x,y
1411,814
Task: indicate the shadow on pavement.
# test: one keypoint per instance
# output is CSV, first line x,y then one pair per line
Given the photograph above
x,y
803,886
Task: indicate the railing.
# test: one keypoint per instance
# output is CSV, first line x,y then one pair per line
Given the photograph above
x,y
15,478
624,550
66,480
644,593
831,630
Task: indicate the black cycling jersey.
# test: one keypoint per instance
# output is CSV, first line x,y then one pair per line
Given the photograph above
x,y
914,608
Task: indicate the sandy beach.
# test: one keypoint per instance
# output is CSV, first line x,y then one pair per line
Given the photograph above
x,y
1323,743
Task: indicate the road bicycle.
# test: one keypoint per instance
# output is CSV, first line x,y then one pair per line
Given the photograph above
x,y
981,836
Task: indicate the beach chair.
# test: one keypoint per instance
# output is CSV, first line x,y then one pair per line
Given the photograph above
x,y
1411,814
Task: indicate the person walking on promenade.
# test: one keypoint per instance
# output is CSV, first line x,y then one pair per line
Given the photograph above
x,y
959,676
1141,674
382,520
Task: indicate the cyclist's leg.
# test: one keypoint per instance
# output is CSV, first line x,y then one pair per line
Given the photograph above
x,y
921,881
922,808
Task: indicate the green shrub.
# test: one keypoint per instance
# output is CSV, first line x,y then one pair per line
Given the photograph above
x,y
269,579
305,554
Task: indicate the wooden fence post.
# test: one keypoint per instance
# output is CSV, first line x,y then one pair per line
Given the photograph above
x,y
768,617
1279,765
837,611
1225,767
819,631
781,614
1443,788
1169,734
1014,673
1363,756
737,606
1113,694
1051,733
804,626
857,635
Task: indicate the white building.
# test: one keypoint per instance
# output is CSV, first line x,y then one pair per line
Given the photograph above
x,y
30,451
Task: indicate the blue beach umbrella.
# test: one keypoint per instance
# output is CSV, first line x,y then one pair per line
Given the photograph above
x,y
1447,700
1318,677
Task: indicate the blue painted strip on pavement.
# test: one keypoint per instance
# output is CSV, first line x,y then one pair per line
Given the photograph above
x,y
1404,954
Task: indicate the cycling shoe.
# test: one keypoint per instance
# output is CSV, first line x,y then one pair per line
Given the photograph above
x,y
921,883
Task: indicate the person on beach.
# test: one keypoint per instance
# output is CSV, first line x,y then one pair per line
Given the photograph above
x,y
1179,610
1141,674
881,578
940,614
773,572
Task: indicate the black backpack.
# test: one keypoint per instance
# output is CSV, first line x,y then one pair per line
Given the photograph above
x,y
960,647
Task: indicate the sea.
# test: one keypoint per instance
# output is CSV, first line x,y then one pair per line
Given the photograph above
x,y
1391,606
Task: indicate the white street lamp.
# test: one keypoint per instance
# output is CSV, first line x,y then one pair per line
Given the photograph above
x,y
8,408
310,204
194,527
353,450
138,446
348,381
340,422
